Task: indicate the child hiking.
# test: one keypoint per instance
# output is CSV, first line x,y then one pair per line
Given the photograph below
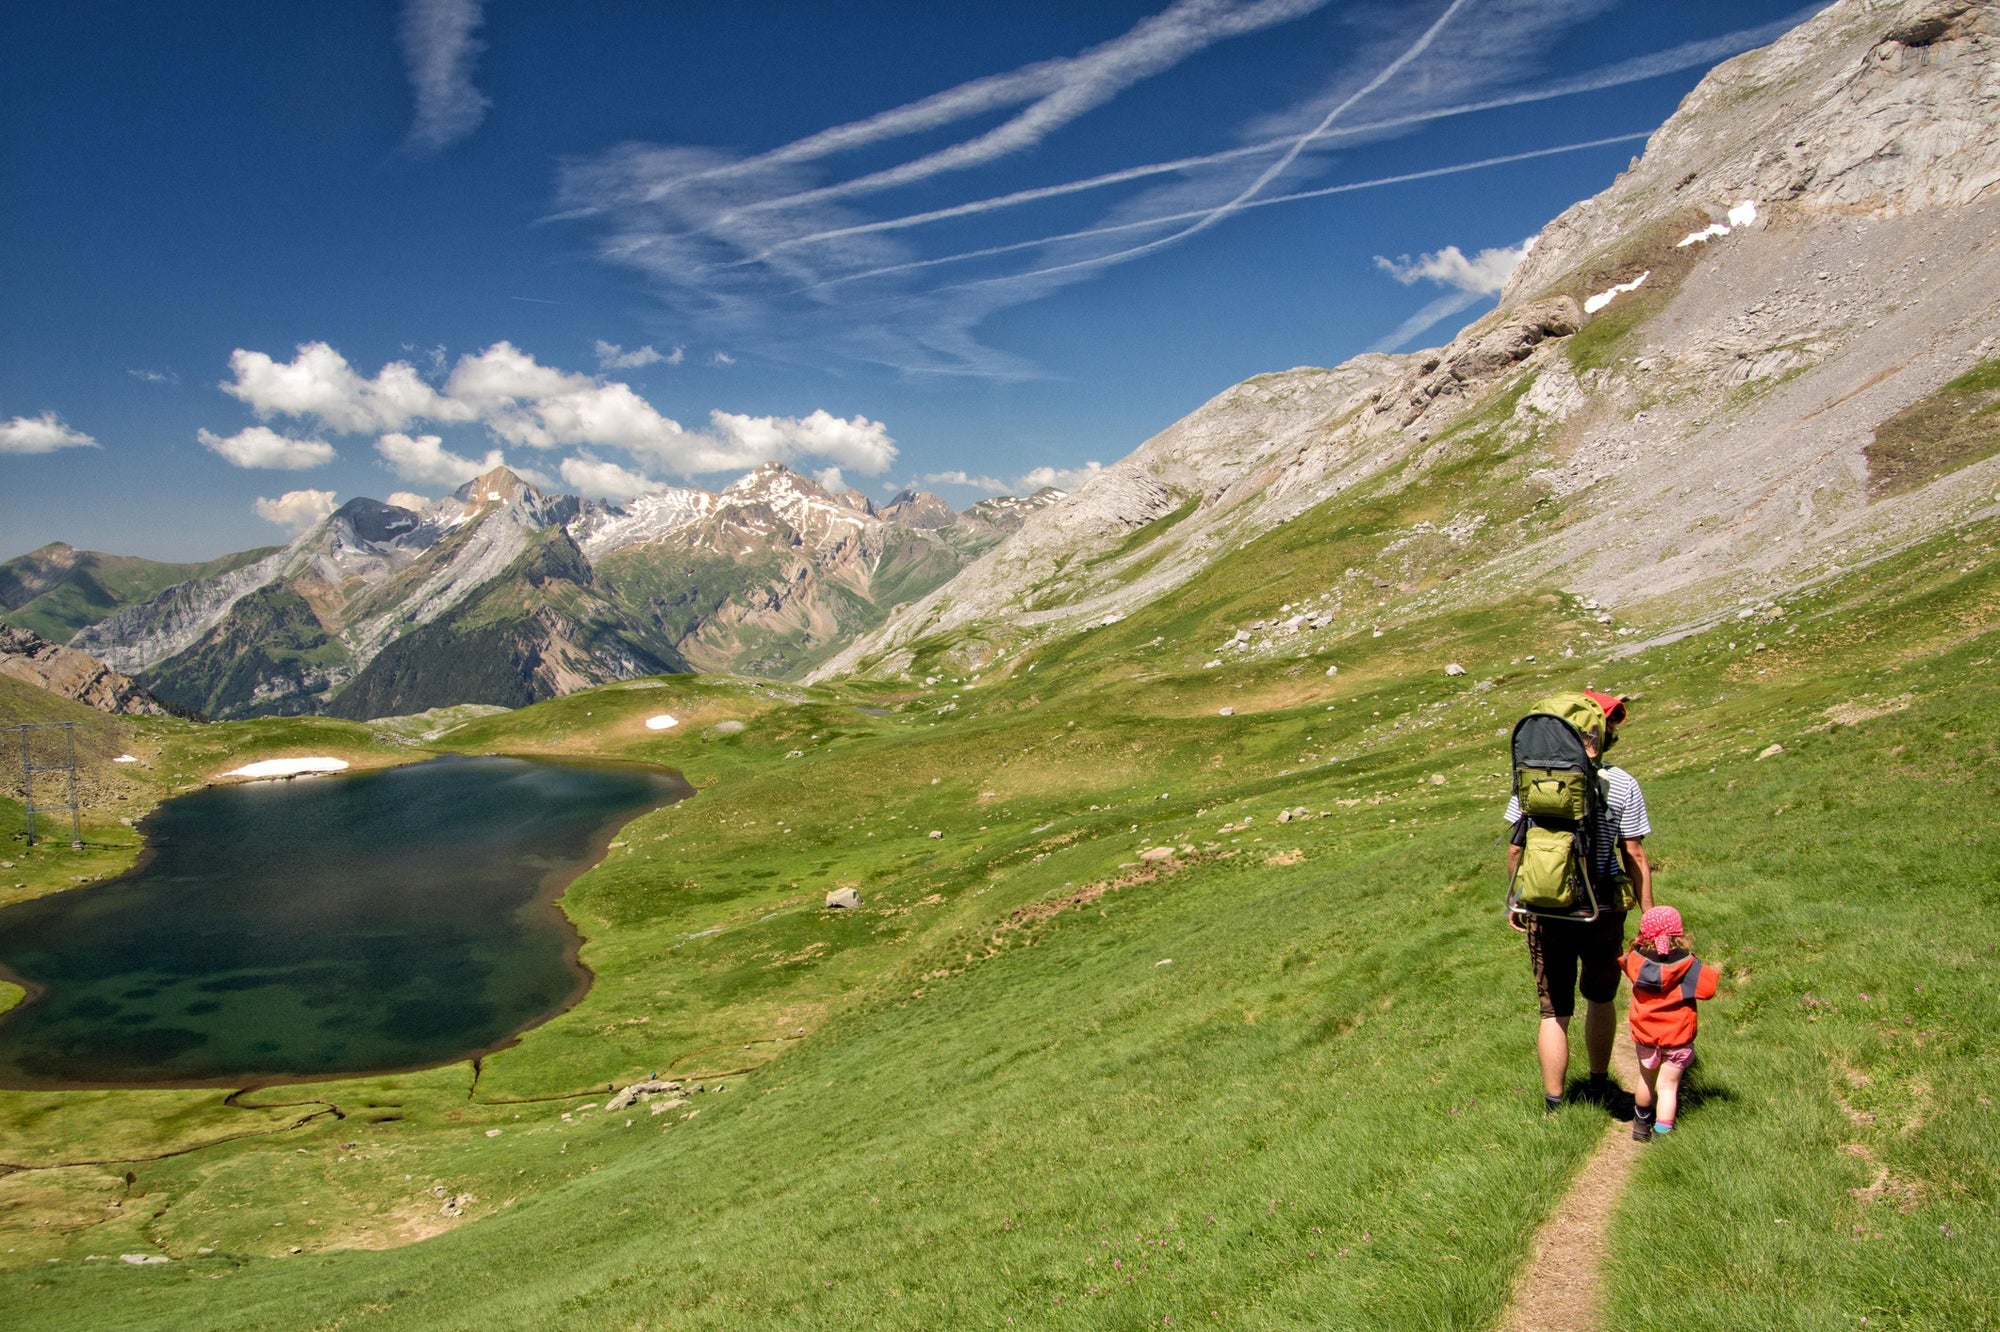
x,y
1667,981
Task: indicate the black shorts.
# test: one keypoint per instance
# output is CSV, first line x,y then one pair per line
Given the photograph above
x,y
1570,955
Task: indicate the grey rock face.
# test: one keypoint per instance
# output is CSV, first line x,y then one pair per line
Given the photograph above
x,y
1886,109
141,636
34,660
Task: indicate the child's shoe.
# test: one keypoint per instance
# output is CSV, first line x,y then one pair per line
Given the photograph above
x,y
1664,1126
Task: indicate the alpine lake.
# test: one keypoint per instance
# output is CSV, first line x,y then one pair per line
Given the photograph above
x,y
283,930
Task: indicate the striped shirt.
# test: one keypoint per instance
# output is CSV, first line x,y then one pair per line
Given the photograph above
x,y
1624,817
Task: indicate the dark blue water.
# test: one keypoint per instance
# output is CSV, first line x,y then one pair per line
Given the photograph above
x,y
337,925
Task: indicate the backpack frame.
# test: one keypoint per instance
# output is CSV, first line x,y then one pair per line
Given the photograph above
x,y
1561,794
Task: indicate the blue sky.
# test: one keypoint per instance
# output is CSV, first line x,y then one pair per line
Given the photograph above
x,y
260,259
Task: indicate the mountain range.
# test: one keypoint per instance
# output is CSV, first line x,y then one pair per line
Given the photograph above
x,y
501,594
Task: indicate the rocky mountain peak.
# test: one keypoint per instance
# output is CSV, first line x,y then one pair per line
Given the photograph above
x,y
1867,107
800,502
34,573
772,478
921,509
372,521
497,486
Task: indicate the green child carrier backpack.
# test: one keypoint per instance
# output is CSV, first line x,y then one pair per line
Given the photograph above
x,y
1561,796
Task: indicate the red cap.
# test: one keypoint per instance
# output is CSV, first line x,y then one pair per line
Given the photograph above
x,y
1614,706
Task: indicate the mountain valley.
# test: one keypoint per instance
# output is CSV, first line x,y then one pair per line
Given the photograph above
x,y
1090,909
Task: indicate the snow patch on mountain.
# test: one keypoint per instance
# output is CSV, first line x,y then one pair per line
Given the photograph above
x,y
602,528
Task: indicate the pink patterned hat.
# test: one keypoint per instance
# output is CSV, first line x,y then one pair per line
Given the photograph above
x,y
1660,922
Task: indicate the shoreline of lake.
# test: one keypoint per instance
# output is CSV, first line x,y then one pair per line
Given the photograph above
x,y
549,887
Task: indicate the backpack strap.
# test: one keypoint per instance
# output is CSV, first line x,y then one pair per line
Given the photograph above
x,y
1689,978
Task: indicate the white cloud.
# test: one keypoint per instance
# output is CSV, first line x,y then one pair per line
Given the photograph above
x,y
992,485
722,358
1470,281
611,356
261,446
439,47
425,459
1062,478
676,356
604,480
522,402
296,510
832,480
409,499
155,376
859,443
41,434
1482,275
319,382
499,379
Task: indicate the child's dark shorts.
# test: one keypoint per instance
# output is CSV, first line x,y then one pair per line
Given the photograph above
x,y
1572,955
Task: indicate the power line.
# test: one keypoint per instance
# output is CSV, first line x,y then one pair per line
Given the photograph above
x,y
29,767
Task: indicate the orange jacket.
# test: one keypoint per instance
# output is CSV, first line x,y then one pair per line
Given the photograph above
x,y
1663,997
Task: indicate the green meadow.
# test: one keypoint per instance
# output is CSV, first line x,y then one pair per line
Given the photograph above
x,y
1282,1077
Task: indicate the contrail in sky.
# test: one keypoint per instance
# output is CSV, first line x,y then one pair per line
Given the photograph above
x,y
1634,70
768,246
1321,193
1059,91
1211,216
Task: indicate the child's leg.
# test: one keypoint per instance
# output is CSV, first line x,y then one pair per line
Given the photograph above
x,y
1642,1103
1645,1095
1670,1091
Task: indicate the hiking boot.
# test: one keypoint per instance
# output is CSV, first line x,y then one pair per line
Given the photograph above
x,y
1642,1129
1551,1104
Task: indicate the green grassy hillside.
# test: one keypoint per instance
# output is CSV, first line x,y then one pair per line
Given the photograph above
x,y
1282,1078
58,589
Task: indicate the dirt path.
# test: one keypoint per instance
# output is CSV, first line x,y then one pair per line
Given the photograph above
x,y
1562,1289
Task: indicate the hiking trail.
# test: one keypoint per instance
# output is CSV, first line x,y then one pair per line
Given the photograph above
x,y
1562,1288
